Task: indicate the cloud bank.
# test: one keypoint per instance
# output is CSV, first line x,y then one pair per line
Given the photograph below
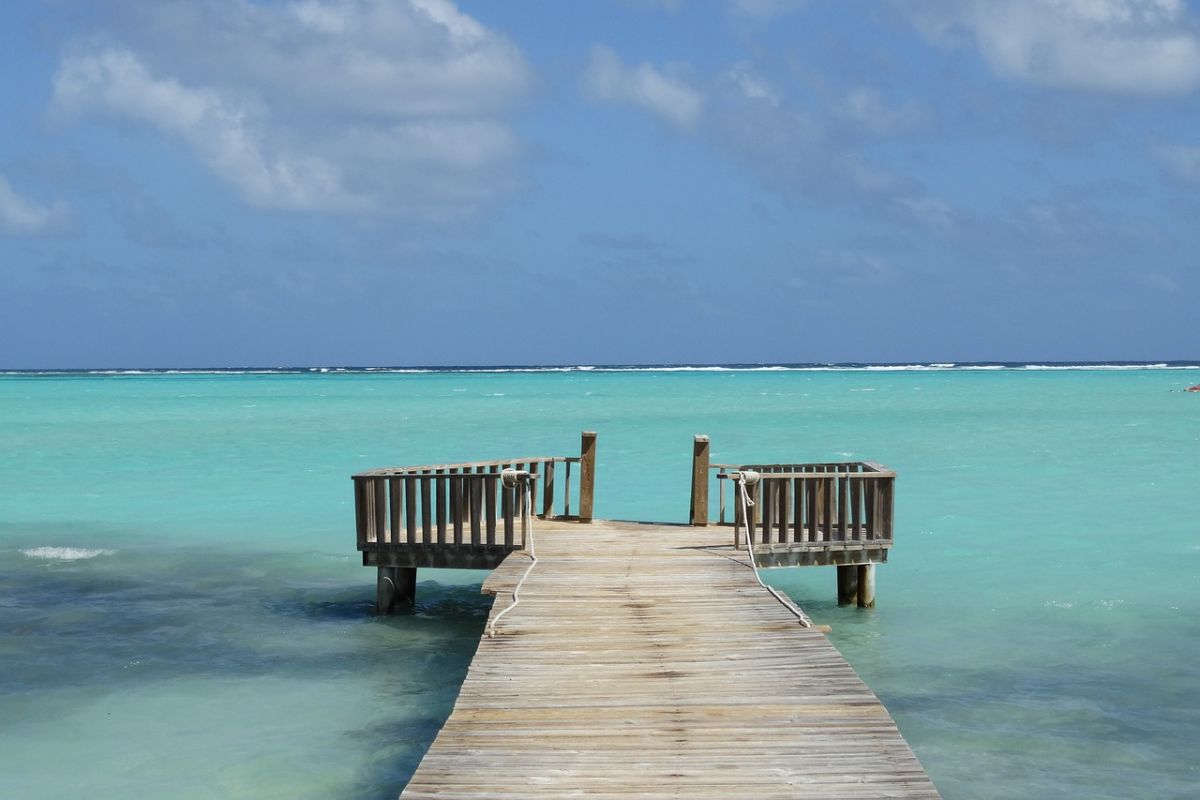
x,y
388,106
1123,46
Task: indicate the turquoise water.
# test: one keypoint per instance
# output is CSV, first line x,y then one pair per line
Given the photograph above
x,y
182,612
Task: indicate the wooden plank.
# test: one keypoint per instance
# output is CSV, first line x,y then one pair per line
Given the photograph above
x,y
614,678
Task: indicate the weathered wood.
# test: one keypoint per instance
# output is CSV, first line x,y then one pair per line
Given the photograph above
x,y
490,511
587,475
476,495
700,462
396,507
506,512
866,585
456,505
847,585
395,586
548,489
360,512
410,508
441,507
567,491
426,506
614,678
379,508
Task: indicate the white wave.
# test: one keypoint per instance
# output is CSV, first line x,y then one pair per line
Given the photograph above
x,y
65,553
1101,366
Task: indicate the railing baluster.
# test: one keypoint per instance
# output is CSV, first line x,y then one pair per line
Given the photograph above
x,y
815,500
888,506
524,517
489,516
721,496
456,490
410,508
360,511
856,509
441,506
769,488
426,507
477,509
567,493
506,511
797,509
379,508
843,506
396,490
532,466
785,503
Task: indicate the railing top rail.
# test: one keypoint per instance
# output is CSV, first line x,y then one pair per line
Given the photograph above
x,y
391,472
874,473
777,476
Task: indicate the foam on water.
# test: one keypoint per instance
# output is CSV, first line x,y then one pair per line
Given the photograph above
x,y
66,553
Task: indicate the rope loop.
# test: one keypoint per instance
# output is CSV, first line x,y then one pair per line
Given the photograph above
x,y
750,478
510,479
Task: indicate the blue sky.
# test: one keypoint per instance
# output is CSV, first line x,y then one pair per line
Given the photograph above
x,y
378,182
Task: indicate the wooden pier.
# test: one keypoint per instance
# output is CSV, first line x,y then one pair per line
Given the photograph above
x,y
646,660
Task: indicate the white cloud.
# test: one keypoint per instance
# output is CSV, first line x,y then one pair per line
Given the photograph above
x,y
1181,161
1125,46
644,86
20,216
396,106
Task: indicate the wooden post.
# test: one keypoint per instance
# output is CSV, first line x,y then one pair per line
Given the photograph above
x,y
866,585
847,584
395,585
548,489
700,461
587,475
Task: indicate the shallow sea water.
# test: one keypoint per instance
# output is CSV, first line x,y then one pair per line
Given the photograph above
x,y
182,612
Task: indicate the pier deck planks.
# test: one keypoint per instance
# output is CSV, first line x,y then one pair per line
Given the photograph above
x,y
645,661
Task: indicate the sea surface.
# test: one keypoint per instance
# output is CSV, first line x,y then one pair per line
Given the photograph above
x,y
183,613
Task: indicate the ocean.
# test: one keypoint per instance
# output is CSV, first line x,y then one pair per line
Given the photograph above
x,y
183,613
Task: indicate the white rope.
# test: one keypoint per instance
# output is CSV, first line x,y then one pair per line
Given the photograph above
x,y
745,478
508,478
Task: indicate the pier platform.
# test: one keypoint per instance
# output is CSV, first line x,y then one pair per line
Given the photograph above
x,y
646,661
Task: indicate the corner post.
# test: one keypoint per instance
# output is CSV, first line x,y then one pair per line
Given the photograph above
x,y
587,475
700,462
395,586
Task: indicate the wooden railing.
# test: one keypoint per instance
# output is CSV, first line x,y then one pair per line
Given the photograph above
x,y
455,504
816,505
